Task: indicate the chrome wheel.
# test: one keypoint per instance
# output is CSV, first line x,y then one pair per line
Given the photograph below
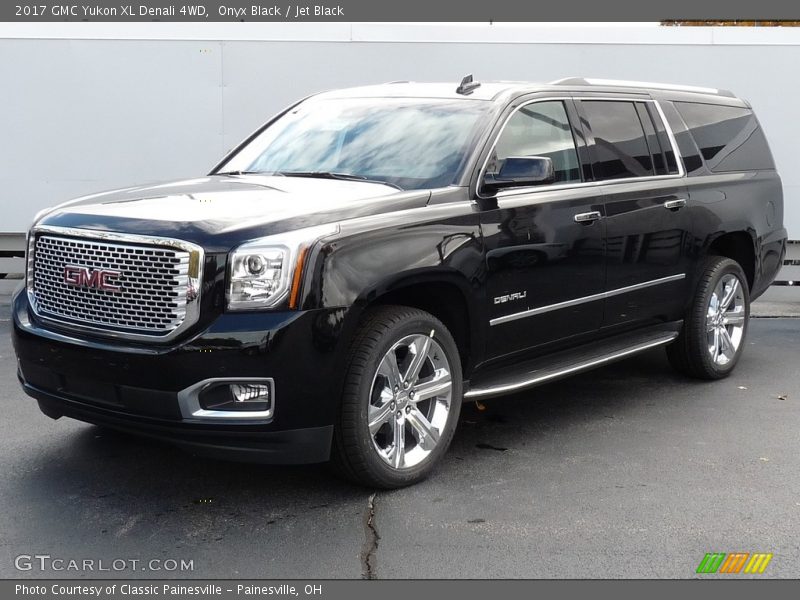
x,y
410,401
725,319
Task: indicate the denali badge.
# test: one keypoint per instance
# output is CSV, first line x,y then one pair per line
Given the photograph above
x,y
86,277
511,297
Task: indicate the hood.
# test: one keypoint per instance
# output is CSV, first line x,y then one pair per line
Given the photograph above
x,y
219,212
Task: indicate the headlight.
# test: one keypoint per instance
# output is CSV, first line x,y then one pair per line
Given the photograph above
x,y
266,271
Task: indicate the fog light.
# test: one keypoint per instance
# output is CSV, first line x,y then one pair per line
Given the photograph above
x,y
248,392
237,397
229,400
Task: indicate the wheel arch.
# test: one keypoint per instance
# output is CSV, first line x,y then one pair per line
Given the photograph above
x,y
739,246
446,294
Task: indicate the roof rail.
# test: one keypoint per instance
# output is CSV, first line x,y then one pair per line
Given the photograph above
x,y
641,84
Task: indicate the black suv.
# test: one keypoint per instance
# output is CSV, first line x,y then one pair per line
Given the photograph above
x,y
370,257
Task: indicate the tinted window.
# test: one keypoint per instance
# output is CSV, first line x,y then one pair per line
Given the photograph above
x,y
728,137
539,129
690,155
663,139
620,145
656,154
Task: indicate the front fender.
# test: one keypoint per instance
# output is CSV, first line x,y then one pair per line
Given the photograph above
x,y
373,257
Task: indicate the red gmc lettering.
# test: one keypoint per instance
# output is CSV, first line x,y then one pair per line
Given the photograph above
x,y
85,277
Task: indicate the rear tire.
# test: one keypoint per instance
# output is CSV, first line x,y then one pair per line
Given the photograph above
x,y
715,326
401,399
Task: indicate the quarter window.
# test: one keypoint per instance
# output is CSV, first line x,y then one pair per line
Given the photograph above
x,y
620,144
729,137
539,129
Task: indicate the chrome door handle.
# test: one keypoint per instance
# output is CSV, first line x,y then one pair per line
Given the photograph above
x,y
588,217
675,204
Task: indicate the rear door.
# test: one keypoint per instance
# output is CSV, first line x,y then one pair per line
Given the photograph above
x,y
648,233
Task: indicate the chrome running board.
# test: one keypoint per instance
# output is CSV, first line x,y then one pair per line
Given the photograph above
x,y
507,380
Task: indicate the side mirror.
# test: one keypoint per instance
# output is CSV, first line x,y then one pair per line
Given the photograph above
x,y
521,171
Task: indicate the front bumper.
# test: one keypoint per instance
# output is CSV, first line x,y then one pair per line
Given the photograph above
x,y
135,387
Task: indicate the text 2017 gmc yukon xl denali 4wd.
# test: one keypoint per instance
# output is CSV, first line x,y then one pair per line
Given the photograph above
x,y
370,257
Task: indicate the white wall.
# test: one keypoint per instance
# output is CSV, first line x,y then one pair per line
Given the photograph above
x,y
97,106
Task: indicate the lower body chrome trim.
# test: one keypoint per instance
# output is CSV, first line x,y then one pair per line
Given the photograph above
x,y
576,301
548,375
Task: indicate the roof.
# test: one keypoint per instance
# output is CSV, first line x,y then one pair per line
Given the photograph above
x,y
413,89
497,90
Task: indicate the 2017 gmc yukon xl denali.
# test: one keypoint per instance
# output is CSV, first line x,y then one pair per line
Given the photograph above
x,y
370,257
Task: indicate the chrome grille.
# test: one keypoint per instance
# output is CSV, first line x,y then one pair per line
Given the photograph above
x,y
153,284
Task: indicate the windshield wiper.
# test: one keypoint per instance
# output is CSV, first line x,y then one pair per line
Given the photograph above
x,y
245,173
331,175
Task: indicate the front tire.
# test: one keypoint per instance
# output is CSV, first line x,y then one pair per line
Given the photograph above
x,y
401,399
712,339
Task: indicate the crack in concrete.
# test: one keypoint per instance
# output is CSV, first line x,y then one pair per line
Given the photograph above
x,y
369,567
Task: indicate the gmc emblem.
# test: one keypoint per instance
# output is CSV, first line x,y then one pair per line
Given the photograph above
x,y
86,277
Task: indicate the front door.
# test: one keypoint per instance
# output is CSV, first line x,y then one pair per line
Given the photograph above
x,y
544,244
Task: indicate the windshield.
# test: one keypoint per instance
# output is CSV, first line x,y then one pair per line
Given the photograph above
x,y
408,143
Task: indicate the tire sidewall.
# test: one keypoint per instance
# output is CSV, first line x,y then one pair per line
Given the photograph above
x,y
722,268
378,469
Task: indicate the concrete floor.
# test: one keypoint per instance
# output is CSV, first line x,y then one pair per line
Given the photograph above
x,y
627,471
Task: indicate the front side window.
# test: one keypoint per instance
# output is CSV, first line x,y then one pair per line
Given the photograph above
x,y
538,129
411,143
620,145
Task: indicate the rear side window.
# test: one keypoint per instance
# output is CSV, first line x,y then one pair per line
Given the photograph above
x,y
729,137
620,142
670,162
690,155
